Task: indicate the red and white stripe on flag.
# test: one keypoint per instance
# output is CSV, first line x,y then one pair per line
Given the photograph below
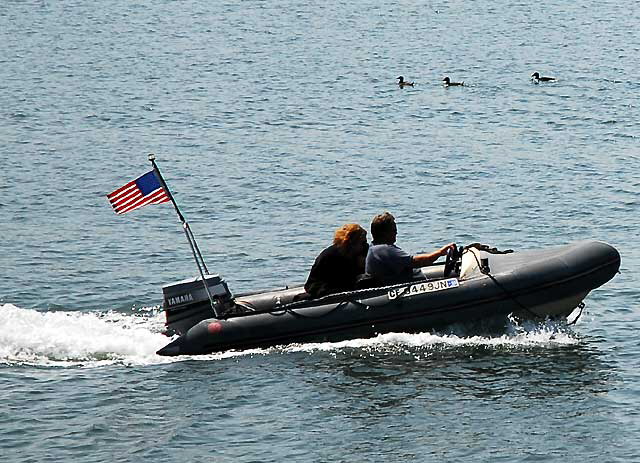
x,y
144,190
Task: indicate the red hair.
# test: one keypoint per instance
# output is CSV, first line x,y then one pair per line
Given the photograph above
x,y
348,233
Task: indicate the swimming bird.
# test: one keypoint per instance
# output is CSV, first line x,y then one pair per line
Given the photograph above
x,y
448,83
402,83
536,77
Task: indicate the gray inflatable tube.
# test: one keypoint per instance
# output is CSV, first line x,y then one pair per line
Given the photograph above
x,y
543,283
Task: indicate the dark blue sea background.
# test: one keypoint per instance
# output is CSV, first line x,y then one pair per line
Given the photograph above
x,y
273,124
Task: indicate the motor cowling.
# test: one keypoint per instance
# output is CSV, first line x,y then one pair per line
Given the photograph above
x,y
186,302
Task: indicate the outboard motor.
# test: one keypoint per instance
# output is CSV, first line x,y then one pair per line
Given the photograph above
x,y
187,303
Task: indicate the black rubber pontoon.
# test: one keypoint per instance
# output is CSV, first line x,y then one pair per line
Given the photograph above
x,y
545,283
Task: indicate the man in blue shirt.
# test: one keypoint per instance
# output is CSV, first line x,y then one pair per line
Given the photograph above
x,y
389,264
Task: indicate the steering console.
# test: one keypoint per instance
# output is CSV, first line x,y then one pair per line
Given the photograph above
x,y
453,255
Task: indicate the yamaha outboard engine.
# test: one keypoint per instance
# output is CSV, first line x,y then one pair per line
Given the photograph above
x,y
187,303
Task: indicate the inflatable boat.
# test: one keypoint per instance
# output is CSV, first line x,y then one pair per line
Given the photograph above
x,y
475,282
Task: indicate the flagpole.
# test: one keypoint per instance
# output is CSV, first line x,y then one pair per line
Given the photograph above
x,y
197,256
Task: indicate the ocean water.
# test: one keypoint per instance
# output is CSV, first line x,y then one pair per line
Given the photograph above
x,y
273,124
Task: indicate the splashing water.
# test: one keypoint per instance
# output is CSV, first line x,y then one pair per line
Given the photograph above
x,y
514,334
78,338
89,339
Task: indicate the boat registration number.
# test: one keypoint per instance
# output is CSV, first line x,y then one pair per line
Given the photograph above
x,y
426,287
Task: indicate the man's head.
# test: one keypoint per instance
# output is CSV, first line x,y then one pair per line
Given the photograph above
x,y
383,229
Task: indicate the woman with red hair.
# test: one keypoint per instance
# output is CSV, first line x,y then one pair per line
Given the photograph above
x,y
337,268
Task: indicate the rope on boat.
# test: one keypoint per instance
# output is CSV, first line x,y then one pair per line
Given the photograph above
x,y
485,271
299,315
340,305
341,299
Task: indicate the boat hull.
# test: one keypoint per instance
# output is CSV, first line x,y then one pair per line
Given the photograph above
x,y
547,283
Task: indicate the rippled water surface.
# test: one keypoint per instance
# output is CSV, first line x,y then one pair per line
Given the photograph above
x,y
274,123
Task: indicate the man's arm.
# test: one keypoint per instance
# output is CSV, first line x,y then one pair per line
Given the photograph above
x,y
420,260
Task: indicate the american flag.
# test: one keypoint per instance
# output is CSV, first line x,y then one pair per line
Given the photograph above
x,y
144,190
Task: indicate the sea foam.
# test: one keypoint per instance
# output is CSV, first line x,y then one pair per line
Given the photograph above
x,y
97,338
69,338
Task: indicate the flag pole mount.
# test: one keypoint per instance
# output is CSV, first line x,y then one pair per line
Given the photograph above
x,y
197,255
